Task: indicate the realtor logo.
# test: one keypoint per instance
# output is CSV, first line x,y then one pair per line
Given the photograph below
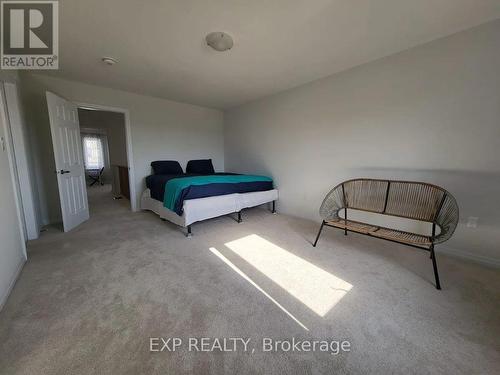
x,y
30,35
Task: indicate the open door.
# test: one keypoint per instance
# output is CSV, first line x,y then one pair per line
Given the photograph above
x,y
65,129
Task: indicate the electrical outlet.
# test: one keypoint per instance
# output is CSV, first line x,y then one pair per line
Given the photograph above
x,y
472,222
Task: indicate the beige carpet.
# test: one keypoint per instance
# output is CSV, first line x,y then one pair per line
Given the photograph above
x,y
88,301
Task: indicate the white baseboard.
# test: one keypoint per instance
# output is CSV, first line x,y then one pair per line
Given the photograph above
x,y
481,259
3,299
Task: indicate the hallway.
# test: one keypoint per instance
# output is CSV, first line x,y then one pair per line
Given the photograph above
x,y
101,201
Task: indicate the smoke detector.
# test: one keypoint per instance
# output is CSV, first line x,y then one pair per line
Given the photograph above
x,y
109,60
219,41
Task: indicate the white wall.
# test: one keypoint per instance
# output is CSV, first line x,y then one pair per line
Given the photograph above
x,y
431,113
12,251
161,129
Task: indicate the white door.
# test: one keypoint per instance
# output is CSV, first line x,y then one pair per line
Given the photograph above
x,y
65,129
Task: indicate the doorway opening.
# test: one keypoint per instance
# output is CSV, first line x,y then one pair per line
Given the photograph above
x,y
106,151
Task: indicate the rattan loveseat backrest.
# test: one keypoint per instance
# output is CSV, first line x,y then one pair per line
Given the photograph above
x,y
408,199
411,200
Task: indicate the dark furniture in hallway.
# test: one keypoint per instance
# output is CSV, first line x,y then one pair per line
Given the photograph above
x,y
95,176
124,181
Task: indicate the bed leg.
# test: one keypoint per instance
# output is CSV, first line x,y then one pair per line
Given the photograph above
x,y
189,234
239,217
273,210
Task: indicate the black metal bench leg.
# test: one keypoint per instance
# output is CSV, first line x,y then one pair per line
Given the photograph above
x,y
273,210
239,217
434,265
189,234
319,232
345,222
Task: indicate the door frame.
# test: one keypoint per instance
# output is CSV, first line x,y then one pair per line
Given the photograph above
x,y
9,148
128,136
24,178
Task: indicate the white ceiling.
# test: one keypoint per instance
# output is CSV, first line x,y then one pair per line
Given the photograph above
x,y
279,44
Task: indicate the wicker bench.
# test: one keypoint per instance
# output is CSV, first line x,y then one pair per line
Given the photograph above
x,y
412,200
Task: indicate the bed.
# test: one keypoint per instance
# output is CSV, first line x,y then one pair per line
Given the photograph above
x,y
200,193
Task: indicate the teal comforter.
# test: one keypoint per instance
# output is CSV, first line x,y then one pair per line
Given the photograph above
x,y
176,188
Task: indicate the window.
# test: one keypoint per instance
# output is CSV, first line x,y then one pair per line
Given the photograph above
x,y
93,152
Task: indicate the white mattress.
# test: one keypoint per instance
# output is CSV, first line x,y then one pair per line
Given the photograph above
x,y
207,208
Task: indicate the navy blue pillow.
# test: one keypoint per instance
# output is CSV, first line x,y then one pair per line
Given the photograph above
x,y
166,167
202,166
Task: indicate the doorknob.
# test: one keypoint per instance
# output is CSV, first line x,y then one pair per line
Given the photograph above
x,y
64,172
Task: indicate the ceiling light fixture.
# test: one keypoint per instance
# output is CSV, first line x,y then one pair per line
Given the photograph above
x,y
219,41
109,60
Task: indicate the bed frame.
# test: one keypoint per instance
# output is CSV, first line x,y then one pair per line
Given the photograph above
x,y
195,210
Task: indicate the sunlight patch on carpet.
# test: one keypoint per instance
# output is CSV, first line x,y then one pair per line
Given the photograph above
x,y
245,276
316,288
